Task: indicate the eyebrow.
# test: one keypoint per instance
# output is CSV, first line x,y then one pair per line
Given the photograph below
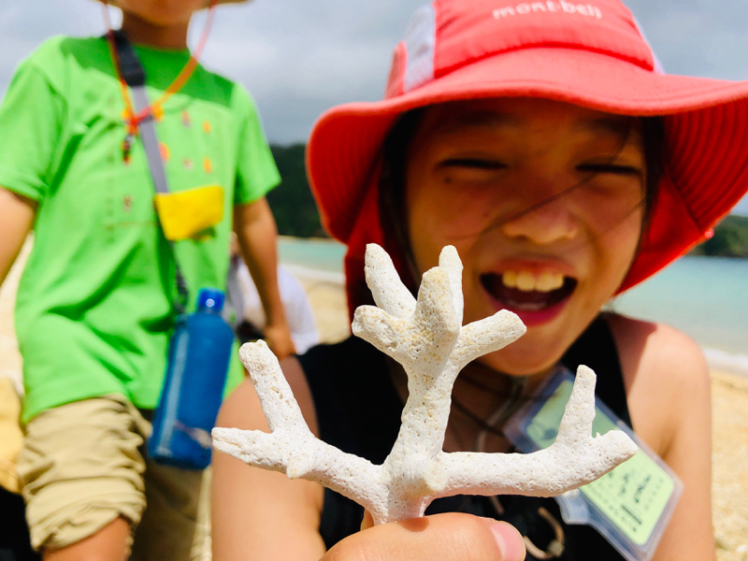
x,y
615,125
618,125
479,119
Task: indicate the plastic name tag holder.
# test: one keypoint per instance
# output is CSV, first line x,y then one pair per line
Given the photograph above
x,y
631,505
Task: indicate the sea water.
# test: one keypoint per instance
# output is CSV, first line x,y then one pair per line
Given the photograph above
x,y
706,297
315,254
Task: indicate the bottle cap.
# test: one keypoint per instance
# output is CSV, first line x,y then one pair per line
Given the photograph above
x,y
211,299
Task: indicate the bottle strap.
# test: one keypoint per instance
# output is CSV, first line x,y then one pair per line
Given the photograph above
x,y
133,74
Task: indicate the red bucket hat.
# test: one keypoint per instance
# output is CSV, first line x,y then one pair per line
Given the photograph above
x,y
591,54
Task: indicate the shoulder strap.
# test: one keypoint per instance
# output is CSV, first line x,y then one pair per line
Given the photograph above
x,y
133,74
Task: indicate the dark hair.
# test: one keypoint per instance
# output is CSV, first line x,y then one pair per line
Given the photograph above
x,y
653,135
392,207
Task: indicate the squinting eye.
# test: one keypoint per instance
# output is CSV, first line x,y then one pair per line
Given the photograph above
x,y
472,163
610,168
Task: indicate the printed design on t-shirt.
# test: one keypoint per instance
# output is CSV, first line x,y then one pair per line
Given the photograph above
x,y
158,112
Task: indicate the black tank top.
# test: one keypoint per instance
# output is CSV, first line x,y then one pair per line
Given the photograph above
x,y
358,410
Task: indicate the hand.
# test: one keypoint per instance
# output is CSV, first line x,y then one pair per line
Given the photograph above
x,y
278,338
447,537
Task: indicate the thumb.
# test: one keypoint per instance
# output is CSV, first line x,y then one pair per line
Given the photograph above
x,y
447,537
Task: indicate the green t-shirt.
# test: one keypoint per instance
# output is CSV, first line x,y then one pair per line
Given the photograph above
x,y
94,304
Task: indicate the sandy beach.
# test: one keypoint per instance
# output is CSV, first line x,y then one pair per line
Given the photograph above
x,y
729,398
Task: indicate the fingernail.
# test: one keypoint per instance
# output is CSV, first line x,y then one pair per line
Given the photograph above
x,y
509,541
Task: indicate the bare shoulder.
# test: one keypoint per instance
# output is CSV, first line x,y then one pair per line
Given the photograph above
x,y
657,351
665,373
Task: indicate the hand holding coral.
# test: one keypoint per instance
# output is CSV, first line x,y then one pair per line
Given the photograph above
x,y
447,537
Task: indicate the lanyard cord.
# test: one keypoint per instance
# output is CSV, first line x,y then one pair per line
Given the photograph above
x,y
123,50
154,109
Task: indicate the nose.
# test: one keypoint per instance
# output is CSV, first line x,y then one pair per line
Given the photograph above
x,y
548,223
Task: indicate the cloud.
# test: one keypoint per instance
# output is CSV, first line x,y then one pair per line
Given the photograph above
x,y
697,37
741,208
299,58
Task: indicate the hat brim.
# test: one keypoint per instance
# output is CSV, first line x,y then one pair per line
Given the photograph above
x,y
705,121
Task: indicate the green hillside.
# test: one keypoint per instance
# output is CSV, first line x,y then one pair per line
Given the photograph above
x,y
730,239
292,202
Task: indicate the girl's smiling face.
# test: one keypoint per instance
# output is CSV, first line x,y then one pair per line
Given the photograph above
x,y
543,201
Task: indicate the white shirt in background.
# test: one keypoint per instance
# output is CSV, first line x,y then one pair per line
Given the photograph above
x,y
296,305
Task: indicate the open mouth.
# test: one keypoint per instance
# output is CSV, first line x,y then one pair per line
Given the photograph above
x,y
524,291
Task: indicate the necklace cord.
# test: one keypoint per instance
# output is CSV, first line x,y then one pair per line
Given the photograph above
x,y
154,109
496,419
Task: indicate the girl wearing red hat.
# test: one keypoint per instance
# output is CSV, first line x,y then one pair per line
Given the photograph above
x,y
542,141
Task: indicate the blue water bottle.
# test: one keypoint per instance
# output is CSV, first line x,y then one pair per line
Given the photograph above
x,y
199,355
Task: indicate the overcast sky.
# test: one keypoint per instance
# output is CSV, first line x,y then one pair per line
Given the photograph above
x,y
299,57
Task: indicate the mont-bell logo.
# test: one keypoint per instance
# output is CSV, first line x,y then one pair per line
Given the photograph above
x,y
548,6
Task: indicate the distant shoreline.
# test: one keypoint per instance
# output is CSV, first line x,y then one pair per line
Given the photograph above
x,y
282,237
722,361
310,274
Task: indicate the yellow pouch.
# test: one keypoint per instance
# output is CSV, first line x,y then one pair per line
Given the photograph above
x,y
187,213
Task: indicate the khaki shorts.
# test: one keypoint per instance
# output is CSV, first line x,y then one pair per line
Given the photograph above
x,y
82,465
11,437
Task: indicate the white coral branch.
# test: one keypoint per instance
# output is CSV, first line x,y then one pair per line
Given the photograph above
x,y
575,458
388,291
426,337
291,448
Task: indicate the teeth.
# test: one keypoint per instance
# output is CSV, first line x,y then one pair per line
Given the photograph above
x,y
510,279
549,281
528,282
525,281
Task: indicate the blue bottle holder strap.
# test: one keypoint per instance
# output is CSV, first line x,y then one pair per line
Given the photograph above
x,y
201,436
166,417
134,75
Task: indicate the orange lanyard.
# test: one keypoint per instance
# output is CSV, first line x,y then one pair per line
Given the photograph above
x,y
153,109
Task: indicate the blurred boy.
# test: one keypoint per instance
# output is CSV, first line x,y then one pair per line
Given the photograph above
x,y
95,305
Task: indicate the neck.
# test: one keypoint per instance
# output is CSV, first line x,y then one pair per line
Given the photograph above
x,y
142,32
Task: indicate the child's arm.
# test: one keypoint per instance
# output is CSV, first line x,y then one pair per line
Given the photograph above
x,y
259,511
257,235
17,215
